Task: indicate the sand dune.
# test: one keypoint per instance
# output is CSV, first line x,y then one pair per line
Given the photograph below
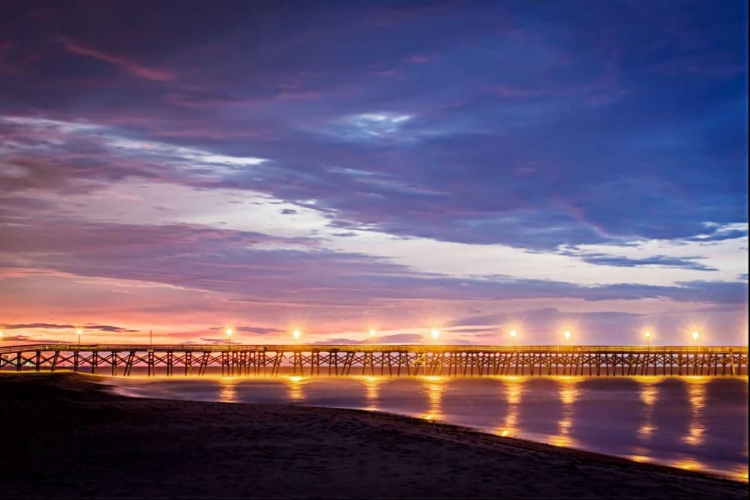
x,y
64,436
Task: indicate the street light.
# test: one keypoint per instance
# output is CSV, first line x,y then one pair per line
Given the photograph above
x,y
567,337
296,335
648,338
229,336
513,334
372,336
435,334
695,337
79,332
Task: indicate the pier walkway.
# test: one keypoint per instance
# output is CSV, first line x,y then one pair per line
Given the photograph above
x,y
376,360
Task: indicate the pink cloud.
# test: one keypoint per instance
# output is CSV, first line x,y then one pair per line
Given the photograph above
x,y
297,96
130,66
399,14
508,91
386,72
419,59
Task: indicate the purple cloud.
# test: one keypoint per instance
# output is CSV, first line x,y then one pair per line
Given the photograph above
x,y
367,125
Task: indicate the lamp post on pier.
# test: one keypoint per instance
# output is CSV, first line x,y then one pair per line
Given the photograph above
x,y
435,334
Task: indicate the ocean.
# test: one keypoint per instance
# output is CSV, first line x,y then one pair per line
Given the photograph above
x,y
698,423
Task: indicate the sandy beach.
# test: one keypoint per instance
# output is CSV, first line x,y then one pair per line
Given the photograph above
x,y
67,436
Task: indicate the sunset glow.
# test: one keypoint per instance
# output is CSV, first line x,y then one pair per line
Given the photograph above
x,y
364,164
374,249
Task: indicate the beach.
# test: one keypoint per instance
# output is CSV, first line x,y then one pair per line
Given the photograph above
x,y
68,436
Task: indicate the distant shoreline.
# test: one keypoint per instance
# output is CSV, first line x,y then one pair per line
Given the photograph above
x,y
67,436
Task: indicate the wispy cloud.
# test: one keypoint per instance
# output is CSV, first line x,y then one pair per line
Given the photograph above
x,y
57,326
130,66
371,162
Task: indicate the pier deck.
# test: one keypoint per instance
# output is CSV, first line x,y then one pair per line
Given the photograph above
x,y
376,360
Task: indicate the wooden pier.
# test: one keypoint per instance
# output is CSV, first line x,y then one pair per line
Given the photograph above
x,y
376,360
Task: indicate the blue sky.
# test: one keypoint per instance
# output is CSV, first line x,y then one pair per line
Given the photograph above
x,y
342,166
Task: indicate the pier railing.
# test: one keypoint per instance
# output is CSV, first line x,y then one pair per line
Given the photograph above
x,y
374,359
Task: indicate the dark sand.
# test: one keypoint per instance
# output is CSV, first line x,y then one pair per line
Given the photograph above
x,y
63,435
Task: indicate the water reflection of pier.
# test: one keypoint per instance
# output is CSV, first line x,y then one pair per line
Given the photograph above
x,y
382,360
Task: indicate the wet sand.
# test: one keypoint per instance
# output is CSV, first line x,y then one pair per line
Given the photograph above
x,y
65,436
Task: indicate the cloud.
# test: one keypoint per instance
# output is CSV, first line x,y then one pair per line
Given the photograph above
x,y
419,59
26,326
132,67
458,180
719,232
398,338
200,99
27,338
57,326
109,328
214,341
654,261
248,266
63,156
483,320
253,329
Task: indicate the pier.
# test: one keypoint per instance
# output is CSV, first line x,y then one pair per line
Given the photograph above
x,y
376,360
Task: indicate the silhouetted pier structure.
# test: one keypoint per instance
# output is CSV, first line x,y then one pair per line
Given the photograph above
x,y
382,360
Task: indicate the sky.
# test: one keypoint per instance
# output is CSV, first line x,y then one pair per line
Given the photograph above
x,y
334,167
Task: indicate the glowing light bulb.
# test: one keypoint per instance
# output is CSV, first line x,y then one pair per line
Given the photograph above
x,y
229,332
567,335
296,334
372,333
696,335
435,334
513,333
647,334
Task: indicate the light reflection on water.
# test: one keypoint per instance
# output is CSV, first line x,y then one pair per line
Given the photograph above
x,y
696,423
697,397
228,392
371,386
513,388
294,386
649,395
568,395
435,388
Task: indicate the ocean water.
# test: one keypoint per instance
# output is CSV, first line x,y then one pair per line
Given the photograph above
x,y
698,423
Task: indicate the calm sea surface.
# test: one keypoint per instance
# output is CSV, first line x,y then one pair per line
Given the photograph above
x,y
689,422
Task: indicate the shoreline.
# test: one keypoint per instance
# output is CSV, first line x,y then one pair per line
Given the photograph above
x,y
292,451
